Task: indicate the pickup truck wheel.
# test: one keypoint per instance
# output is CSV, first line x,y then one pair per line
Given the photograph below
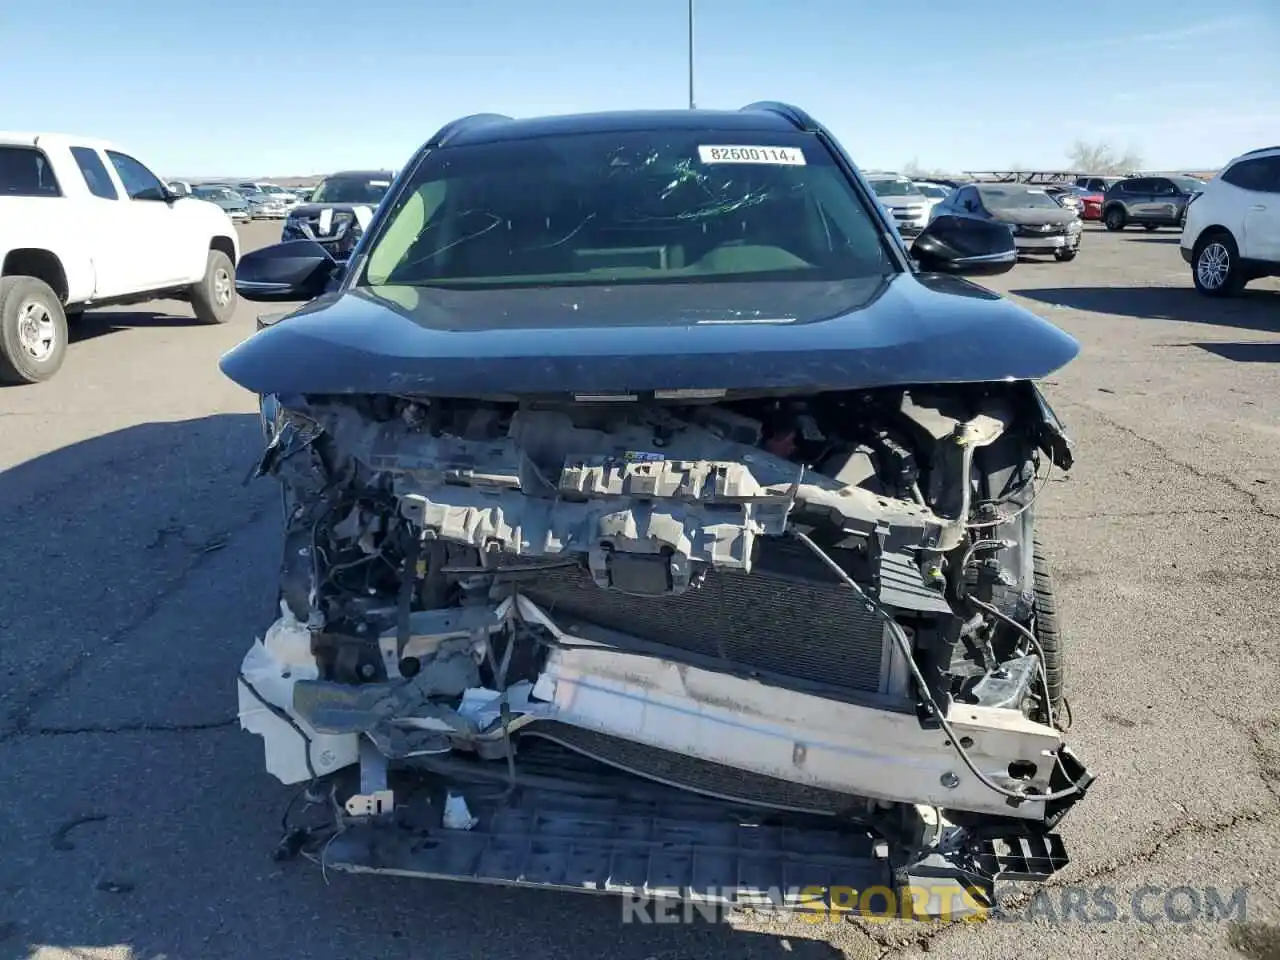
x,y
33,330
214,297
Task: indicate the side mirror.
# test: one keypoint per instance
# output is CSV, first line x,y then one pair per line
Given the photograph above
x,y
965,246
289,271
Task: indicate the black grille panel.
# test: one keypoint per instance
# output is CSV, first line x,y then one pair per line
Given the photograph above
x,y
690,773
785,618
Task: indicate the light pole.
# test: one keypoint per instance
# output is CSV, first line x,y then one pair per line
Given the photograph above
x,y
691,105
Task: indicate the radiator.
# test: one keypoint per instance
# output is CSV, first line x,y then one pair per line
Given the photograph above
x,y
789,617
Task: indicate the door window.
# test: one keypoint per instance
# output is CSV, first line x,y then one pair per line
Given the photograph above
x,y
95,173
139,182
25,172
1261,175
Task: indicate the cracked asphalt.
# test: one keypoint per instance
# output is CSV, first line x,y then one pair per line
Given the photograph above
x,y
137,821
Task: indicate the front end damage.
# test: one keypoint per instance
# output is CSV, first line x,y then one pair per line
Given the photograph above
x,y
714,648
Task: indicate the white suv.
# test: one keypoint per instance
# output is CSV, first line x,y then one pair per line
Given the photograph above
x,y
1231,233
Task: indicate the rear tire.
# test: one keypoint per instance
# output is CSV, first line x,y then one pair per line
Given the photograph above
x,y
1048,630
214,298
33,330
1215,265
1113,218
1151,227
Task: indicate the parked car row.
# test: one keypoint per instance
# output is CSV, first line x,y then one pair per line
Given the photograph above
x,y
260,199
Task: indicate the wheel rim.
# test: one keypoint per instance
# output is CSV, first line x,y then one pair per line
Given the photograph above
x,y
221,287
36,331
1213,266
1113,219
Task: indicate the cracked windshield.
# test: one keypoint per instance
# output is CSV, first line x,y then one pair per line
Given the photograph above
x,y
805,475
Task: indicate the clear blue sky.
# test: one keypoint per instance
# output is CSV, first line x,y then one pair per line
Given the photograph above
x,y
241,88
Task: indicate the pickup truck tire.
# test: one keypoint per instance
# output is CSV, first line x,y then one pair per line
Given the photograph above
x,y
214,298
33,330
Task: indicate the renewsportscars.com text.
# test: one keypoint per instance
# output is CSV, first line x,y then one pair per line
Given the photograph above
x,y
1055,905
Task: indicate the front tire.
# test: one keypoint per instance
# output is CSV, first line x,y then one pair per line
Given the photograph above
x,y
1048,630
1065,256
1151,227
214,298
1215,265
33,330
1114,218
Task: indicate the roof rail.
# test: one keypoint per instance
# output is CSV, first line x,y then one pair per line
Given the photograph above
x,y
794,115
453,128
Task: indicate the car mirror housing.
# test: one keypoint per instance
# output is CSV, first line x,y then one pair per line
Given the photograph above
x,y
288,271
965,246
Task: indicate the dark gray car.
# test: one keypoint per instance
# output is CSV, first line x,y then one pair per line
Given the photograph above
x,y
1040,225
1153,202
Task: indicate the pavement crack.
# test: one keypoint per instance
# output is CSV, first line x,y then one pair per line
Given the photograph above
x,y
896,939
1252,496
19,718
114,728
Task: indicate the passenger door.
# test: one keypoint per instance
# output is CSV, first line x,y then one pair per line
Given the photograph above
x,y
1165,200
102,224
1138,199
150,227
1257,184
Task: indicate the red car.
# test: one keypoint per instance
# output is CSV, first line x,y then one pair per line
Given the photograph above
x,y
1090,206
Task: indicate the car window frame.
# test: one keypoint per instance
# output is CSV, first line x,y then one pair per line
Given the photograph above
x,y
43,157
76,151
1252,163
112,154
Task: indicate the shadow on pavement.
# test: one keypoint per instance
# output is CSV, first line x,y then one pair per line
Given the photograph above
x,y
139,820
1244,351
97,323
100,531
1166,239
1253,310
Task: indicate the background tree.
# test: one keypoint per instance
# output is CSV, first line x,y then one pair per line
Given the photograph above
x,y
1102,157
914,171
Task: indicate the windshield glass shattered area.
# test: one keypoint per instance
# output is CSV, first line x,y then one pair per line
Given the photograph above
x,y
350,190
1010,198
633,207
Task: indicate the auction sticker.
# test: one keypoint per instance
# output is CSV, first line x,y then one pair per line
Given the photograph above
x,y
779,156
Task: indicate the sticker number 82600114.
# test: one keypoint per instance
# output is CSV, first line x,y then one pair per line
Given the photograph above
x,y
780,156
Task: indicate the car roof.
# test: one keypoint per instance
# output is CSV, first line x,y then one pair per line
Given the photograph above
x,y
497,129
356,174
19,138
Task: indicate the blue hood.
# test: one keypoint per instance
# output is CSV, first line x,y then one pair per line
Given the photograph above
x,y
786,336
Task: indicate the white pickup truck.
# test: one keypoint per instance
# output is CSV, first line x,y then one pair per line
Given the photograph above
x,y
83,224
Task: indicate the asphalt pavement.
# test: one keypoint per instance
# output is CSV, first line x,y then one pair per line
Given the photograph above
x,y
136,820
